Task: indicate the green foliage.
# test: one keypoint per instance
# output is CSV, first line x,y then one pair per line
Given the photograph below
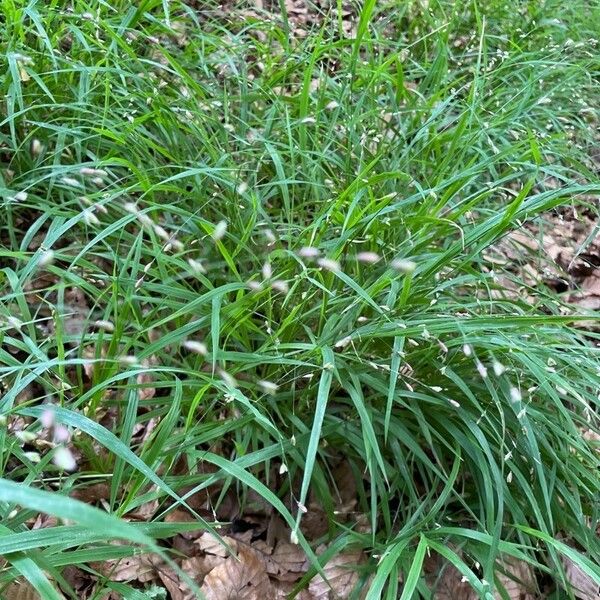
x,y
426,139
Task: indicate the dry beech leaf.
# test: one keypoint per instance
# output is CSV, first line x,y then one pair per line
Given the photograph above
x,y
210,544
450,586
347,495
517,580
92,493
132,568
288,558
173,584
144,512
241,578
342,576
198,567
21,590
146,391
283,589
314,523
584,587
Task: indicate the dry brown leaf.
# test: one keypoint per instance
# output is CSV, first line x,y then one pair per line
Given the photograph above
x,y
592,437
144,512
132,568
210,544
288,558
198,567
173,584
517,580
283,589
21,590
314,523
347,495
92,493
146,391
591,285
450,586
584,587
241,578
342,576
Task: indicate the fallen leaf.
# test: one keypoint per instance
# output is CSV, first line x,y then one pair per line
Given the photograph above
x,y
591,285
140,568
198,567
21,590
446,581
92,493
241,578
517,579
287,558
173,584
283,589
146,390
210,544
584,587
341,574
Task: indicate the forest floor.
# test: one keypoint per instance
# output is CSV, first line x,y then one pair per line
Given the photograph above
x,y
302,299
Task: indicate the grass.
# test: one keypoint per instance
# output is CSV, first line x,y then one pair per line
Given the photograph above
x,y
424,139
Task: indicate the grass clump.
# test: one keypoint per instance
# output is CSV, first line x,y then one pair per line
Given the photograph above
x,y
269,253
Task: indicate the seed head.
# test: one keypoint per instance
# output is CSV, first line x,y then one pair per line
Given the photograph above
x,y
34,457
88,172
36,147
179,247
515,394
61,434
129,360
46,258
47,418
255,286
369,258
280,286
196,347
70,181
228,379
20,196
268,387
64,459
107,326
267,271
343,342
329,264
308,252
161,232
219,230
499,368
196,266
25,437
481,369
404,266
90,218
